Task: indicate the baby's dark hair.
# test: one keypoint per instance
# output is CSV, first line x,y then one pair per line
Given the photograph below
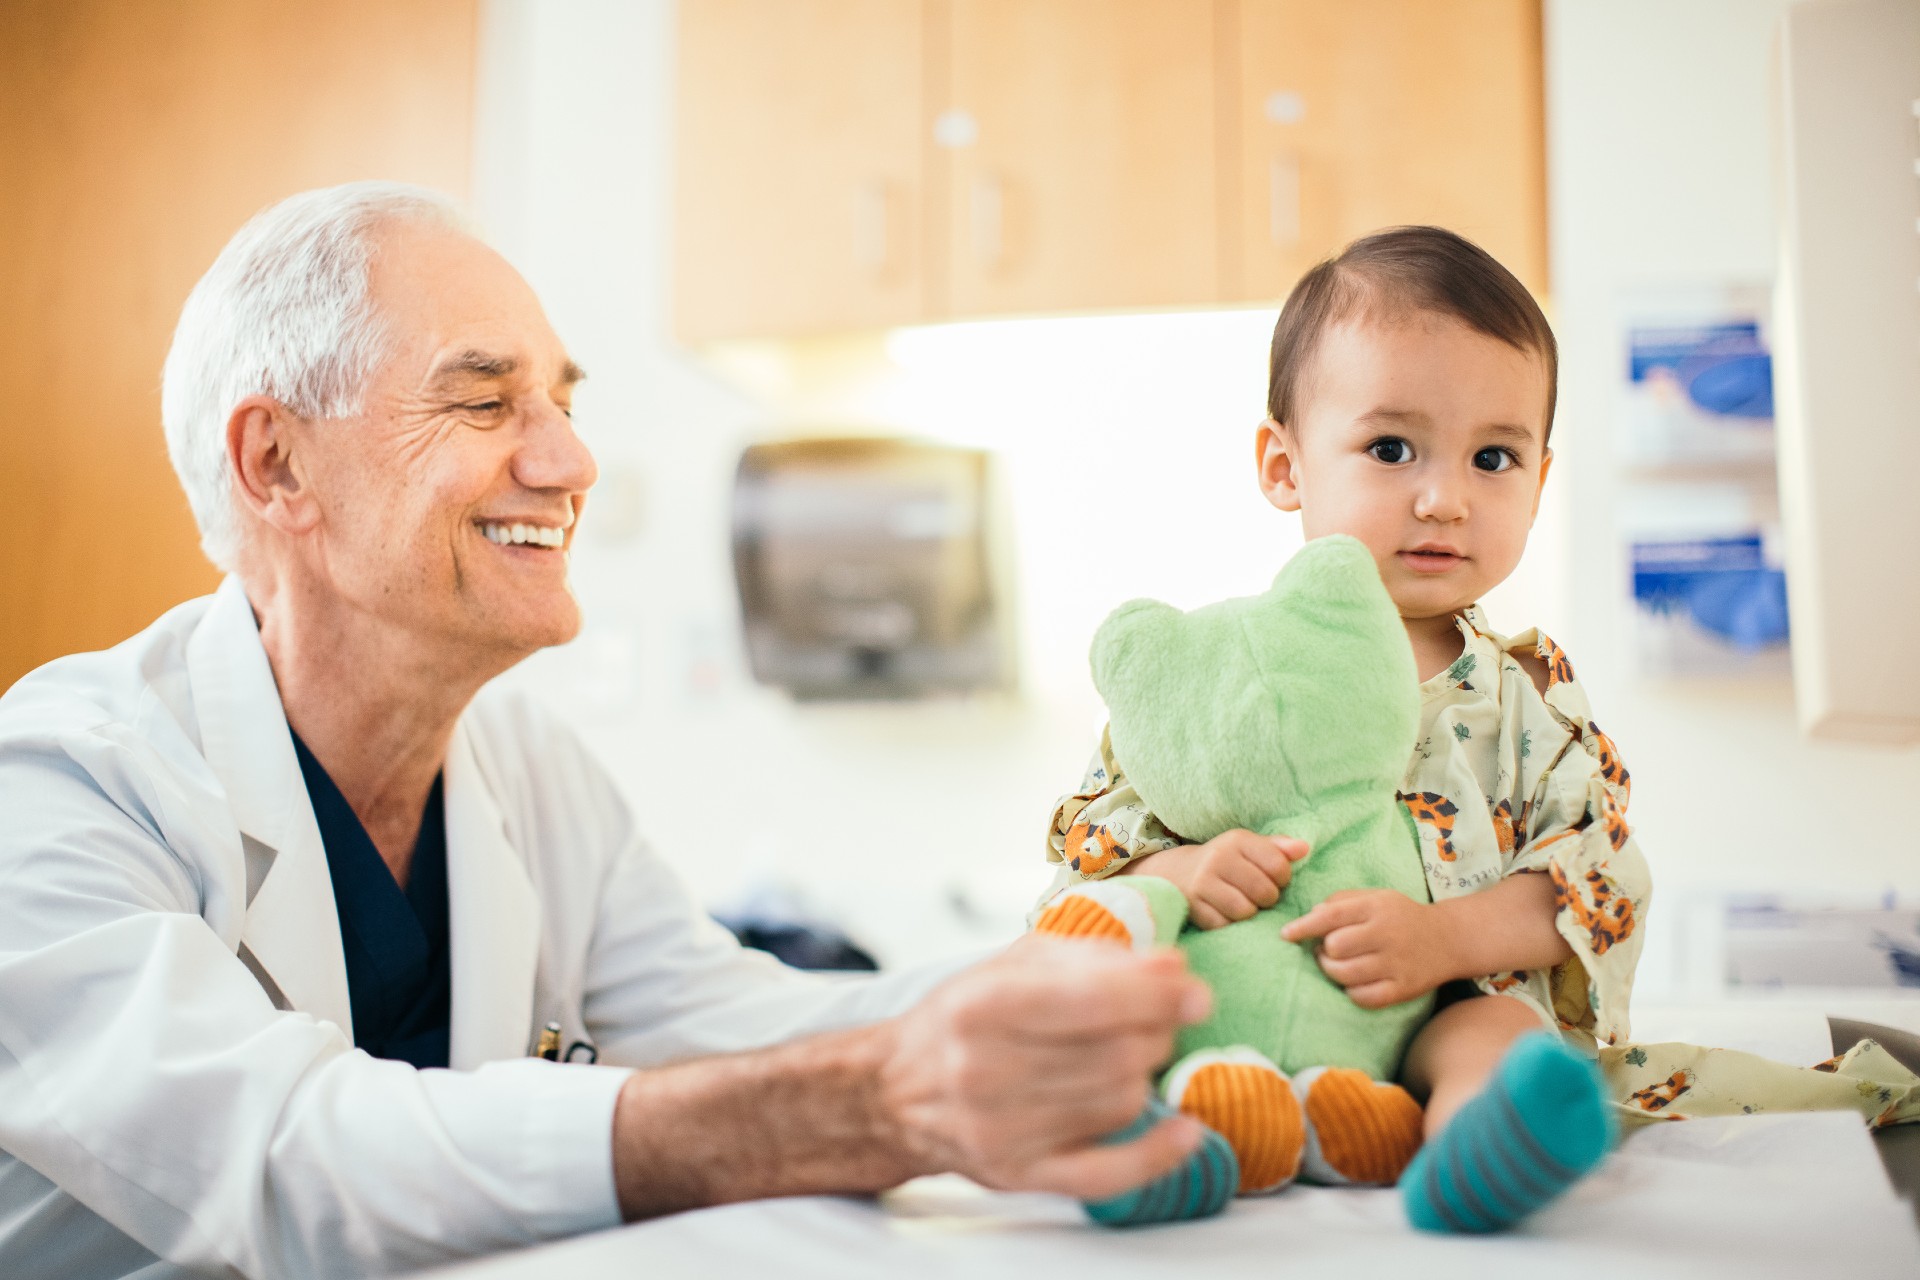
x,y
1426,268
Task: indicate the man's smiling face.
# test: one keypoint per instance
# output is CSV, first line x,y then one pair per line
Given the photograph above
x,y
448,504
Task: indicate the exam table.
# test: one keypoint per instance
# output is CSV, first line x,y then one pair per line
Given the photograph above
x,y
1771,1195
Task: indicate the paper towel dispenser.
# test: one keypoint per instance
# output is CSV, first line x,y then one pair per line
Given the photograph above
x,y
866,568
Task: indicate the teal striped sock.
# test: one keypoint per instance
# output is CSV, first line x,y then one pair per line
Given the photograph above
x,y
1540,1125
1198,1188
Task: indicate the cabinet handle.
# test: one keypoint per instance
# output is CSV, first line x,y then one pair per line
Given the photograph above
x,y
870,239
989,218
1283,201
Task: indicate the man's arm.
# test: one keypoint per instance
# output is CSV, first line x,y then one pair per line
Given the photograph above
x,y
1009,1073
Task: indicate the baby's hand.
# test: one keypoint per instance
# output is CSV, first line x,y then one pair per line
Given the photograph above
x,y
1381,945
1228,878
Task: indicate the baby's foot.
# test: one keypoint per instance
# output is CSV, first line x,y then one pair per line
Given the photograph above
x,y
1540,1125
1199,1188
1241,1095
1360,1132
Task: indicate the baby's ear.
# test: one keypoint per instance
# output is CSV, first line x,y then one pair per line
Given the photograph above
x,y
1134,637
1276,460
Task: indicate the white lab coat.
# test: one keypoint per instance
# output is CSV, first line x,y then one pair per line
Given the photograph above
x,y
178,1086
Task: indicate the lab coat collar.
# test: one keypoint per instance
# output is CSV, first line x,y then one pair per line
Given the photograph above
x,y
495,918
292,927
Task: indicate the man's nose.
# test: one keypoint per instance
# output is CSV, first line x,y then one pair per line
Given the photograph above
x,y
553,456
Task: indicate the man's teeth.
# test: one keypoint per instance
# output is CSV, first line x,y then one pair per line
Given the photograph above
x,y
514,534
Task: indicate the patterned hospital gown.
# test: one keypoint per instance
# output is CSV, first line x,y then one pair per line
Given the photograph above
x,y
1507,778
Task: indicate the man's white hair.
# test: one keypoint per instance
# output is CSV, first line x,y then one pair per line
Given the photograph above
x,y
285,312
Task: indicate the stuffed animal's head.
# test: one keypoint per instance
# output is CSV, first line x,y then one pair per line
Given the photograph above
x,y
1254,712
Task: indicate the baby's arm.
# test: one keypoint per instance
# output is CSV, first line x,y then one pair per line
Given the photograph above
x,y
1384,947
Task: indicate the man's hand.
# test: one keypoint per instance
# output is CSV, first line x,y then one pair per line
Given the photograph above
x,y
1012,1071
1381,945
1228,878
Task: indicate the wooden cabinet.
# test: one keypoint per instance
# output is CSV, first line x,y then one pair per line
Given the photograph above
x,y
134,141
849,164
1085,174
800,167
1370,113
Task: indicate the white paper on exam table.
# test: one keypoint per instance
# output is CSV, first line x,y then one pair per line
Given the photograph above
x,y
1786,1195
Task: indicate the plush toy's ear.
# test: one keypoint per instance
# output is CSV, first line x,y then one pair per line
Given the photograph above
x,y
1130,643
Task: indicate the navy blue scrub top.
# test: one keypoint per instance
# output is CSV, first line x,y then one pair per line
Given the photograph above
x,y
399,963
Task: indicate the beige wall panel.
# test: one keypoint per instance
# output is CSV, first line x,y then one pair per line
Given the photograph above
x,y
135,137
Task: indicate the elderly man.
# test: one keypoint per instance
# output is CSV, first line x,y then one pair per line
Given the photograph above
x,y
287,895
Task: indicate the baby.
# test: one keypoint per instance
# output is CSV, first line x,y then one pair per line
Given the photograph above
x,y
1410,405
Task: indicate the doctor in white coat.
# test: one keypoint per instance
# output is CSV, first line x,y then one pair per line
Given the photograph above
x,y
371,417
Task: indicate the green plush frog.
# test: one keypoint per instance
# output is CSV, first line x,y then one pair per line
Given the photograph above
x,y
1289,713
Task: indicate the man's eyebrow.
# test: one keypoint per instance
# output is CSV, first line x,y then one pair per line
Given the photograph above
x,y
470,364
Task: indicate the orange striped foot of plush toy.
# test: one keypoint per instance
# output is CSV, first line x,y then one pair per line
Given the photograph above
x,y
1103,911
1360,1132
1241,1095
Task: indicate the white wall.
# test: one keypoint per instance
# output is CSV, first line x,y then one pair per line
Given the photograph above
x,y
883,812
1660,170
1660,163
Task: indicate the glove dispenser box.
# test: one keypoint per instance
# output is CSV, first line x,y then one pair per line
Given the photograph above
x,y
866,569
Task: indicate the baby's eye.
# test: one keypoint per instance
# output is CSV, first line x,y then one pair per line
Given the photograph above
x,y
1495,459
1391,450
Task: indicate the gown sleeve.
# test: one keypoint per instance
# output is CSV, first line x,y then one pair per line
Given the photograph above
x,y
1099,827
1573,828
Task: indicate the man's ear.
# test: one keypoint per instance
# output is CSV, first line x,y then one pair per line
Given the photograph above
x,y
1275,454
269,478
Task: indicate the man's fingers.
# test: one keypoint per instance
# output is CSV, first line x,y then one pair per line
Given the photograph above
x,y
1069,1075
1076,990
1096,1173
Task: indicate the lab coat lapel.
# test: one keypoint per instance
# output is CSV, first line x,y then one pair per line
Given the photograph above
x,y
494,916
292,930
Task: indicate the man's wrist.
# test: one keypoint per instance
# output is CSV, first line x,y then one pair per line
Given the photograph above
x,y
811,1117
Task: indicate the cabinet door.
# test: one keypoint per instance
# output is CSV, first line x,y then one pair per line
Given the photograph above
x,y
134,140
1371,113
799,167
1082,146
